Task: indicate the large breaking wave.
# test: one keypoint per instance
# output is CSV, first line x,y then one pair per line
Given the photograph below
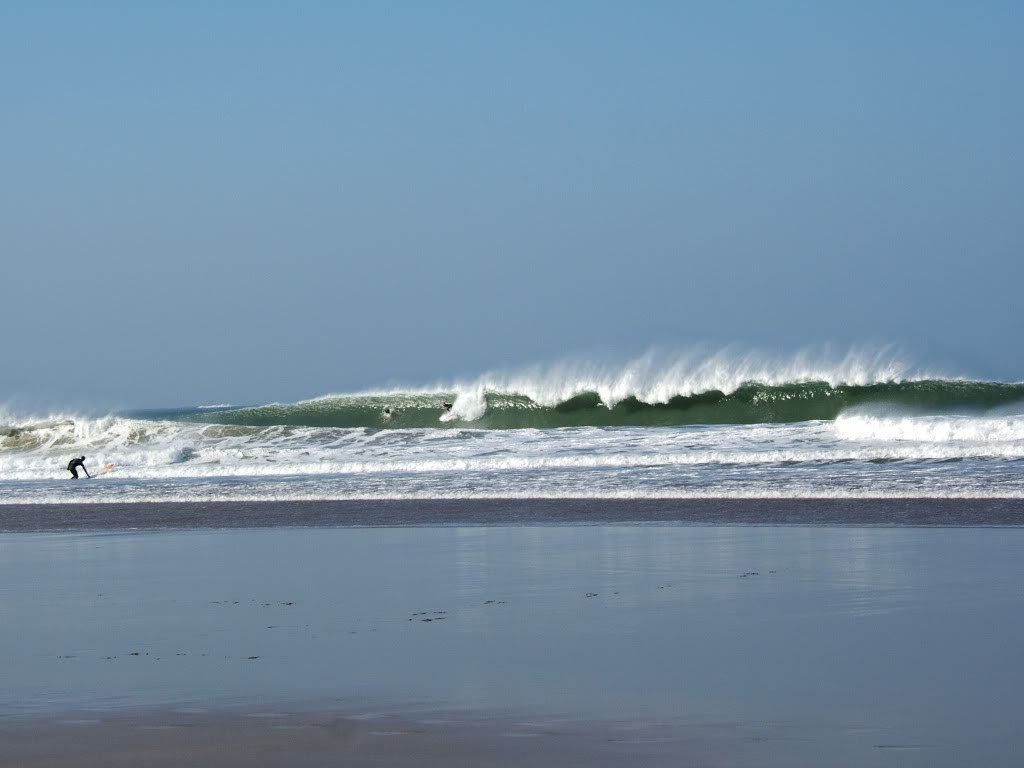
x,y
649,391
749,403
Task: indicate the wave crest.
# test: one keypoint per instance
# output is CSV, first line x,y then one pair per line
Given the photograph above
x,y
657,379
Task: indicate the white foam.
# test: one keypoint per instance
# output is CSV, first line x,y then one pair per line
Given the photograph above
x,y
218,468
806,492
168,450
980,431
468,406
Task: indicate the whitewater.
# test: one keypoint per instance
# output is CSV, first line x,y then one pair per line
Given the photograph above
x,y
713,427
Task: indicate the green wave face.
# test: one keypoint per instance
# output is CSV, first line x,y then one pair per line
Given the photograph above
x,y
749,404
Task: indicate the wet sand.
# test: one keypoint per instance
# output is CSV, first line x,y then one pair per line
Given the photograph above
x,y
527,511
493,645
328,737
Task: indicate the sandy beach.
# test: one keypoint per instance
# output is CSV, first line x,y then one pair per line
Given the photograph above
x,y
310,739
330,738
512,645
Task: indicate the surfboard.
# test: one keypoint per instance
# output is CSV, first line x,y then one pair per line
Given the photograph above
x,y
104,469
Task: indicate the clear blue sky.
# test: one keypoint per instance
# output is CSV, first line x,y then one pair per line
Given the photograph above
x,y
249,201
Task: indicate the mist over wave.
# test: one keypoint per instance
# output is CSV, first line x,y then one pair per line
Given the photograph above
x,y
658,378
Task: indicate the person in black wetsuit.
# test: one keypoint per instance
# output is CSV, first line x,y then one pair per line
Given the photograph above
x,y
74,464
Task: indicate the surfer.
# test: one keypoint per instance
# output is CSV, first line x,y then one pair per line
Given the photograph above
x,y
447,406
74,464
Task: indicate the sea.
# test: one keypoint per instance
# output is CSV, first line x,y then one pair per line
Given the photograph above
x,y
719,427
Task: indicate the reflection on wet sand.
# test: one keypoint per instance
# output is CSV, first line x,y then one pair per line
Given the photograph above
x,y
880,639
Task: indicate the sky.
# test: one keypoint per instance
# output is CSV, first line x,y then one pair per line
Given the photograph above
x,y
206,202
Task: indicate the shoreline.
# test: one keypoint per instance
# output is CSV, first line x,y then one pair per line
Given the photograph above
x,y
858,512
317,736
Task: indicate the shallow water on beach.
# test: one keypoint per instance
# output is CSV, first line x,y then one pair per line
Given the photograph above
x,y
908,636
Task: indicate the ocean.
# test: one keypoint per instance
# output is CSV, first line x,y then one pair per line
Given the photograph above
x,y
715,429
